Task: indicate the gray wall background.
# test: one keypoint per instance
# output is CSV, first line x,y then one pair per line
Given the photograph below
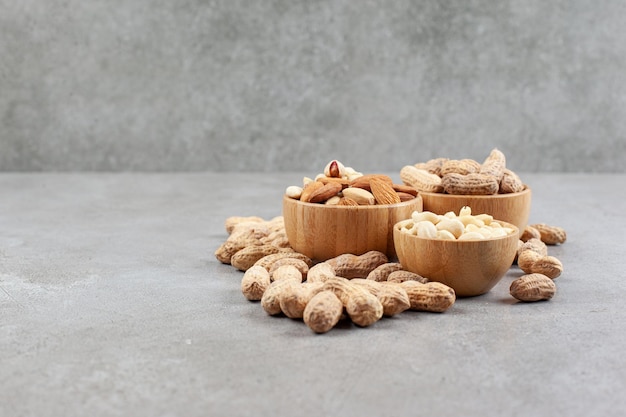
x,y
270,85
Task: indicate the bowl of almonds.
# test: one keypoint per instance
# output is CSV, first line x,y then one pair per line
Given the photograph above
x,y
447,185
469,253
344,211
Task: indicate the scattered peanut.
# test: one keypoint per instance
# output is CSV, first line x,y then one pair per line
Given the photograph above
x,y
323,311
533,287
357,266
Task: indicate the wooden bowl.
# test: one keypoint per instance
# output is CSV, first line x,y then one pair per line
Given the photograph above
x,y
512,208
470,267
323,231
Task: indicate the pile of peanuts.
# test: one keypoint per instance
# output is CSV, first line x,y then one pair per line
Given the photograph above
x,y
463,176
362,289
344,186
449,226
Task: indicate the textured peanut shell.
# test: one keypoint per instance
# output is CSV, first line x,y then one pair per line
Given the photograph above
x,y
528,233
323,311
268,261
470,184
295,298
535,245
421,179
432,165
271,297
286,272
461,166
299,264
394,299
231,222
357,266
401,276
532,287
510,183
551,235
381,272
247,256
494,165
526,259
320,272
364,308
548,266
254,283
433,296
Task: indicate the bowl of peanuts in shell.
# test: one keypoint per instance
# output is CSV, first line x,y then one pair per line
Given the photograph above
x,y
344,211
469,253
489,187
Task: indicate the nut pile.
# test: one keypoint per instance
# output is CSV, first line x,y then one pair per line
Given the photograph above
x,y
464,176
362,289
344,186
449,226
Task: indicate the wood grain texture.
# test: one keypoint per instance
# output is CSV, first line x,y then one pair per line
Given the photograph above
x,y
470,267
322,232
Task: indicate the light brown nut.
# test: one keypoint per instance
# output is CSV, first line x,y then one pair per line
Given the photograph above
x,y
364,181
247,256
368,284
353,266
526,259
494,165
551,235
462,166
294,298
361,196
268,261
511,183
528,233
405,196
470,184
233,221
532,287
226,250
401,276
393,298
535,245
341,287
277,238
363,307
432,296
345,201
321,194
381,272
299,264
432,165
320,272
254,283
270,301
309,189
420,179
286,272
404,189
341,181
383,191
548,266
323,311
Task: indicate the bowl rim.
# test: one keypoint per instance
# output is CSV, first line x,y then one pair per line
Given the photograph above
x,y
360,207
526,190
396,229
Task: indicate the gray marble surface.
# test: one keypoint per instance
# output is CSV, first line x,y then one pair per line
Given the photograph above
x,y
112,304
276,85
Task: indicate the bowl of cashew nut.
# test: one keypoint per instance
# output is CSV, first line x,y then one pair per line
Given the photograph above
x,y
468,252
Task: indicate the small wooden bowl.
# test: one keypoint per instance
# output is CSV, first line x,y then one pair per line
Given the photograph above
x,y
323,231
470,267
512,208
